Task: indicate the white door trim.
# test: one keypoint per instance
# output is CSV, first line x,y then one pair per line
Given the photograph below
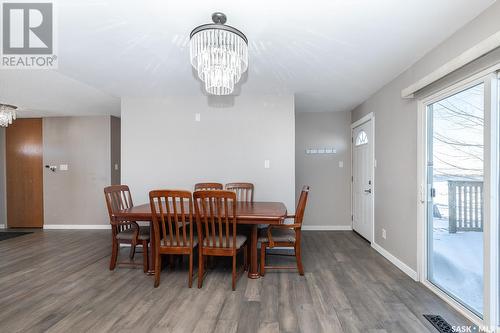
x,y
369,117
491,194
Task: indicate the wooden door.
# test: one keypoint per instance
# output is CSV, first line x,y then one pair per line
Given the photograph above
x,y
24,168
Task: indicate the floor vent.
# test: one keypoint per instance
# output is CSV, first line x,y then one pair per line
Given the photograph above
x,y
439,323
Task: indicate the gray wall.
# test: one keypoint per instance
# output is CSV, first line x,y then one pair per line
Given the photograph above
x,y
84,144
3,204
164,147
396,138
115,150
329,201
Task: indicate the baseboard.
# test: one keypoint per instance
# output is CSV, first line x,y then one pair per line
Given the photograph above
x,y
398,263
327,227
77,226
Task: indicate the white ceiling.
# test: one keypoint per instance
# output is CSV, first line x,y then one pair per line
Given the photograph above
x,y
40,93
331,54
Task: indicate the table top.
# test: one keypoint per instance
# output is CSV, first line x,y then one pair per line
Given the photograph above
x,y
246,212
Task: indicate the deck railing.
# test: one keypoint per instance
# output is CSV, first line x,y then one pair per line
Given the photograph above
x,y
465,202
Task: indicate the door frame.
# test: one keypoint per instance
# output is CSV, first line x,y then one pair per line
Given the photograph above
x,y
491,194
370,117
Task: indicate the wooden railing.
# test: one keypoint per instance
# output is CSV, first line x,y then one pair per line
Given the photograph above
x,y
465,202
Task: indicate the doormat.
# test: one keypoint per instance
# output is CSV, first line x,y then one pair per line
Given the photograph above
x,y
439,323
12,234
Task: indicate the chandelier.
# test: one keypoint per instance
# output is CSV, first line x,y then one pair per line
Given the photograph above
x,y
219,53
7,114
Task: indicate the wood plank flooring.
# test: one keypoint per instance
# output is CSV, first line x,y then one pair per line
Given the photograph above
x,y
58,281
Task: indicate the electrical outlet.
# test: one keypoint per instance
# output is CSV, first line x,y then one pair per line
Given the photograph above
x,y
197,117
341,164
384,234
267,164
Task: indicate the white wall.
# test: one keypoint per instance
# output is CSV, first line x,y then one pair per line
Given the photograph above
x,y
396,139
329,203
163,146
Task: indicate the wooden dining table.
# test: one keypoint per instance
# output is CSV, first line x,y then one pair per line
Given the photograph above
x,y
247,213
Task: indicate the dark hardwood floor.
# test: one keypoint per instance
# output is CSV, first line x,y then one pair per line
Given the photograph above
x,y
59,281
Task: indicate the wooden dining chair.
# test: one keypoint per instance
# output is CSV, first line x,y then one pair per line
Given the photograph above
x,y
173,226
285,235
118,197
244,191
208,186
216,222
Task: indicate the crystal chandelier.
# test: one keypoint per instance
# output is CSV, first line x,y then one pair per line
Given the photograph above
x,y
219,53
7,114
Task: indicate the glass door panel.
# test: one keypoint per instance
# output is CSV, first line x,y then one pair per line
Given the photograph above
x,y
455,173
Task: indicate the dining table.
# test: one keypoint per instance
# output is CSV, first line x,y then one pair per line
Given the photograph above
x,y
247,213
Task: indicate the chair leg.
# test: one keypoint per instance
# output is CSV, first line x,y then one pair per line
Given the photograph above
x,y
201,265
234,272
191,269
145,259
157,269
262,259
211,262
132,251
171,261
245,258
298,256
114,255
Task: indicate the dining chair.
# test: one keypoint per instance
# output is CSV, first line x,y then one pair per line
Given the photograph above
x,y
173,226
216,221
244,191
285,235
208,186
118,197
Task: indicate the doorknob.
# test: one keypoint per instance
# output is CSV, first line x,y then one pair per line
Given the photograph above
x,y
368,190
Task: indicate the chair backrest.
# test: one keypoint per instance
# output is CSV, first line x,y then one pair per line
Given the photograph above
x,y
216,218
244,191
301,205
172,213
208,186
118,197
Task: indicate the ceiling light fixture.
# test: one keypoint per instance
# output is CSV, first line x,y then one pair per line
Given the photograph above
x,y
219,53
7,114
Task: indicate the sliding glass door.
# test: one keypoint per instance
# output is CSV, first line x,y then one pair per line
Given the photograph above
x,y
455,196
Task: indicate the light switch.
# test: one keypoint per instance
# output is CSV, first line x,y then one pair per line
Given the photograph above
x,y
267,164
341,164
63,167
116,166
197,117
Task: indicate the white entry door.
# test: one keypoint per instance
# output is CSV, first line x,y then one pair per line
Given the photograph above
x,y
362,180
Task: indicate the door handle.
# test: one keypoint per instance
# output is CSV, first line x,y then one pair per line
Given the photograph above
x,y
368,190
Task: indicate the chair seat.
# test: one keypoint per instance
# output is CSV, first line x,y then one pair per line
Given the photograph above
x,y
128,234
240,240
195,242
278,234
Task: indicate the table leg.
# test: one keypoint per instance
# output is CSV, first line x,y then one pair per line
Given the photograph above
x,y
253,272
151,270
